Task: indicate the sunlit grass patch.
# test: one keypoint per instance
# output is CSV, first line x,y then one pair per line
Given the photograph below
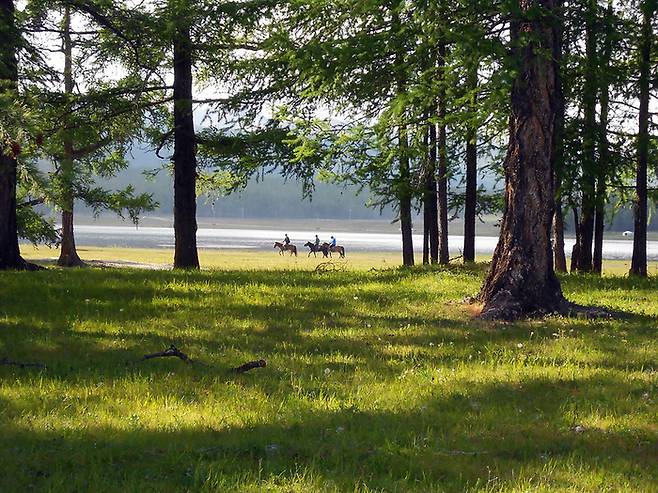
x,y
377,380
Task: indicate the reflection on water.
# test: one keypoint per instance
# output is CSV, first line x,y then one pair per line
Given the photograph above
x,y
259,239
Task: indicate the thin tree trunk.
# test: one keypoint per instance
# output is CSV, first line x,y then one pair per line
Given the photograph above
x,y
558,148
430,213
10,257
470,199
558,238
404,190
522,280
404,194
185,168
444,256
576,245
639,260
590,137
68,254
434,219
604,151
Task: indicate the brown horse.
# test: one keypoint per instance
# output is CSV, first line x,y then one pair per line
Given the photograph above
x,y
283,248
337,249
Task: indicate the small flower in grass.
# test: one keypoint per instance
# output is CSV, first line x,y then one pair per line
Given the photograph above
x,y
327,371
272,447
87,300
340,429
431,344
519,345
356,297
645,396
578,429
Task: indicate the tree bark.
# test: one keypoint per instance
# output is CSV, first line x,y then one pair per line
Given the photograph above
x,y
185,166
442,182
68,254
10,257
639,260
470,199
522,281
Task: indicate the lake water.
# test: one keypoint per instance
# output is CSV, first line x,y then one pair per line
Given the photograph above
x,y
262,239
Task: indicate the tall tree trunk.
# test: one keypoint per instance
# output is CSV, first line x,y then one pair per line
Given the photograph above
x,y
430,212
604,151
639,260
185,166
558,148
522,280
590,137
444,255
10,257
68,254
470,199
404,190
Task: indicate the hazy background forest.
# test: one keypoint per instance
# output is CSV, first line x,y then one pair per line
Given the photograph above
x,y
270,196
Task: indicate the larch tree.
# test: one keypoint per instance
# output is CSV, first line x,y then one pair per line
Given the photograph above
x,y
522,280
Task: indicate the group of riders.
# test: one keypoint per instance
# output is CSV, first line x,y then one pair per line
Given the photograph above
x,y
315,247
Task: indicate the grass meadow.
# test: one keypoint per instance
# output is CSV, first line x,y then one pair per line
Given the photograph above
x,y
379,379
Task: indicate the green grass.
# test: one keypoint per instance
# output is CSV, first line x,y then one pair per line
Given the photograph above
x,y
377,380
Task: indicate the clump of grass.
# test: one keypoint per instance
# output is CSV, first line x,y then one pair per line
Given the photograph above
x,y
376,381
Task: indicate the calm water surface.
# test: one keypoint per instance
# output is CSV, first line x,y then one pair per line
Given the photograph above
x,y
262,239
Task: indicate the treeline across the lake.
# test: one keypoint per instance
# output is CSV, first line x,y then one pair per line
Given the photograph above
x,y
558,97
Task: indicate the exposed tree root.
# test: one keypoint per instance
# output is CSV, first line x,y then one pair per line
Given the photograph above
x,y
505,308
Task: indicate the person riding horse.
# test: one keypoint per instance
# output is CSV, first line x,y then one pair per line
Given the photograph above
x,y
286,240
313,249
333,247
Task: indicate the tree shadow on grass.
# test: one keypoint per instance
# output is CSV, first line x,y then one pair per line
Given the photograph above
x,y
502,432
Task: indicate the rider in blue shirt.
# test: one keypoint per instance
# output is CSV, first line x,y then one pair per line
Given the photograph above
x,y
333,242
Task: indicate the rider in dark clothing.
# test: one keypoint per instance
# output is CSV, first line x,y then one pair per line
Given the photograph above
x,y
317,242
286,240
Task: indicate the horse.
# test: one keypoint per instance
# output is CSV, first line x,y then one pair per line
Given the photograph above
x,y
283,248
339,249
314,249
